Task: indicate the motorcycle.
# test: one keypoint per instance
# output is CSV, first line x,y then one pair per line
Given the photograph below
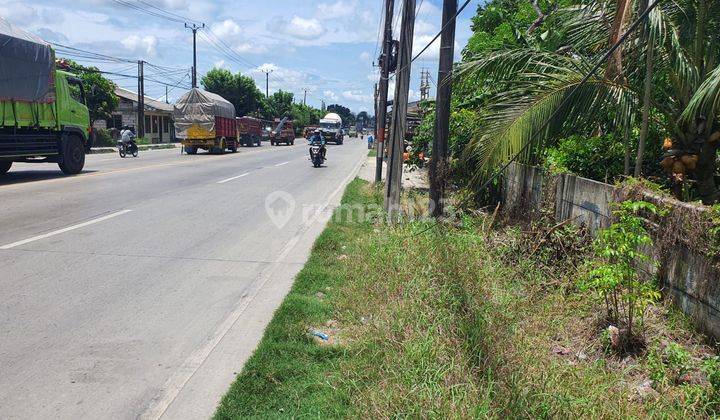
x,y
316,155
127,148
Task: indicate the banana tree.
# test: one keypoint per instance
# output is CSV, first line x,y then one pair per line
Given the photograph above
x,y
531,87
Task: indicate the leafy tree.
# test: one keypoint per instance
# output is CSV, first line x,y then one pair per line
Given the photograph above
x,y
239,89
533,82
99,91
363,118
304,115
278,105
344,112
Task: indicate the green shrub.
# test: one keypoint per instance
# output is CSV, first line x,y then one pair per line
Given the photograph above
x,y
600,158
614,275
103,138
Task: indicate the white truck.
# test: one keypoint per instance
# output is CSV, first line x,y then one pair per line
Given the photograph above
x,y
331,128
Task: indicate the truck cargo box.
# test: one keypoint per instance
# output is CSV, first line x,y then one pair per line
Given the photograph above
x,y
28,66
203,115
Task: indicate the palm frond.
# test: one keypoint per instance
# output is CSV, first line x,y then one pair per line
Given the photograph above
x,y
516,117
706,100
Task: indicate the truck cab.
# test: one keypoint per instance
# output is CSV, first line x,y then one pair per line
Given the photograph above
x,y
57,132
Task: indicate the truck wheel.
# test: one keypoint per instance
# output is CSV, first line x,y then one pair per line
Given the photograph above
x,y
4,167
292,143
72,154
191,150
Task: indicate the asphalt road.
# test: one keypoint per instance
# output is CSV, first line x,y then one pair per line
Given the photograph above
x,y
139,288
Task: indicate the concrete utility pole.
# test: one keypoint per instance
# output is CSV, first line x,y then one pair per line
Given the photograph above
x,y
398,123
439,162
305,97
141,100
194,29
267,81
381,114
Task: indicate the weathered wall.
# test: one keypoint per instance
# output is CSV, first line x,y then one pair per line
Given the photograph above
x,y
689,277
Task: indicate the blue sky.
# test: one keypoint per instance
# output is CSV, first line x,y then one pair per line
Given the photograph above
x,y
324,46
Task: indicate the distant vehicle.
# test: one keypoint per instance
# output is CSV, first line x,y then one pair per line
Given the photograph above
x,y
284,133
249,131
205,120
331,128
44,118
309,130
352,132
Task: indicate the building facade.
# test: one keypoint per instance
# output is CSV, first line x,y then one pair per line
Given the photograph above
x,y
159,126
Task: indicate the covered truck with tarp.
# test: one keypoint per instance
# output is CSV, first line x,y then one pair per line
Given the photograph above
x,y
205,120
43,117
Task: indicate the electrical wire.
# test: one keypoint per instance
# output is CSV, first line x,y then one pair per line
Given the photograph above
x,y
559,109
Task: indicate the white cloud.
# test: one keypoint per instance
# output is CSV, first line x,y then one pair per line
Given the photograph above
x,y
227,29
329,94
428,9
423,27
336,10
221,64
304,29
356,96
146,45
248,48
365,57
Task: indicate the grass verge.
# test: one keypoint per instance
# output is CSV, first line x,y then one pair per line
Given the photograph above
x,y
463,321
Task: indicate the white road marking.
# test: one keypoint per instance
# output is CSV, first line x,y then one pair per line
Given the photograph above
x,y
177,381
284,163
67,229
233,178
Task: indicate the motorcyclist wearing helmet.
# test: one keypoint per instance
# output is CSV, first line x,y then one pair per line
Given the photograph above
x,y
318,140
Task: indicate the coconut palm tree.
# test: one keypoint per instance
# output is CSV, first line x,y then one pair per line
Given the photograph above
x,y
530,86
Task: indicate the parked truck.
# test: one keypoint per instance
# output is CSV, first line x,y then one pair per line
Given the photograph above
x,y
43,116
331,128
205,120
249,131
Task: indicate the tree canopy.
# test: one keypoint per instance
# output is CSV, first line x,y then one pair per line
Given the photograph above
x,y
99,91
344,112
237,88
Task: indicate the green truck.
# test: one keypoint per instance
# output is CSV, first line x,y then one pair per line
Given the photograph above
x,y
43,116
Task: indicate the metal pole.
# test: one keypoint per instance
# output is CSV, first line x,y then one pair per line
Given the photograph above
x,y
398,123
194,29
381,115
141,100
439,161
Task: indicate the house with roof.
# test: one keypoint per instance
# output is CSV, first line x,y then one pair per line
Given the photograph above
x,y
159,126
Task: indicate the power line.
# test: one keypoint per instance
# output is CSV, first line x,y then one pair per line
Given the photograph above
x,y
451,21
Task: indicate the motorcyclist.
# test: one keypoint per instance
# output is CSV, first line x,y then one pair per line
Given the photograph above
x,y
318,140
127,137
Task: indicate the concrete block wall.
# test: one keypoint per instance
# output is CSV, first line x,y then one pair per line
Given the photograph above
x,y
690,278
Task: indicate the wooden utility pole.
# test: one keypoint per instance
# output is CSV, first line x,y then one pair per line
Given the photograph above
x,y
439,162
141,100
398,123
381,114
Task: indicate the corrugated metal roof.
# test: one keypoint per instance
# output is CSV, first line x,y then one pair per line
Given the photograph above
x,y
149,102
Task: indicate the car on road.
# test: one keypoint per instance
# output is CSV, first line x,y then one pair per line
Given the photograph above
x,y
352,132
